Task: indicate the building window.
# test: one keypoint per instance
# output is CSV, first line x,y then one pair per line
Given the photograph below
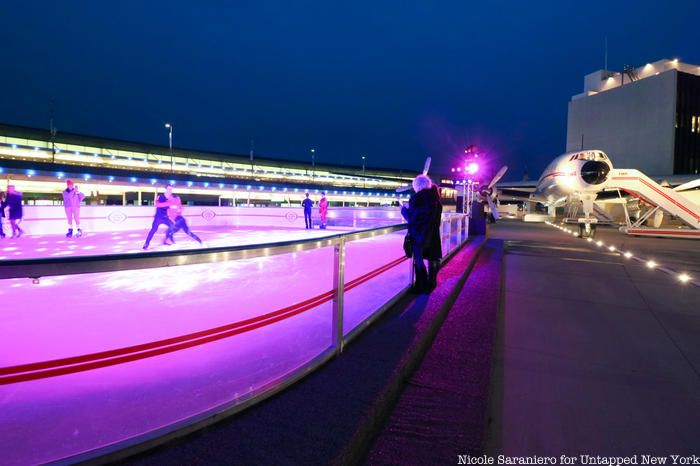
x,y
693,124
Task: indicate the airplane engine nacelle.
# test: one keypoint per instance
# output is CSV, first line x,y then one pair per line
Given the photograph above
x,y
595,173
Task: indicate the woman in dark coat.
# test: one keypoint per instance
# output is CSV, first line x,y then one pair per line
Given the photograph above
x,y
423,216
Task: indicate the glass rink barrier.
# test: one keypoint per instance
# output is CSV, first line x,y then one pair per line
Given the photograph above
x,y
102,353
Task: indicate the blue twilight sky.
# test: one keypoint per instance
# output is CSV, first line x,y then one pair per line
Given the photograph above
x,y
393,80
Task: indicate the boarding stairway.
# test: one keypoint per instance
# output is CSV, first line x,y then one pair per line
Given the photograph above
x,y
661,199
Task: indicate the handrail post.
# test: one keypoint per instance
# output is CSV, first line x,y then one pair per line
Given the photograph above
x,y
338,294
459,231
449,234
463,222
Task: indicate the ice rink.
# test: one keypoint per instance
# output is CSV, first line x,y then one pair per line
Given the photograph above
x,y
93,359
121,242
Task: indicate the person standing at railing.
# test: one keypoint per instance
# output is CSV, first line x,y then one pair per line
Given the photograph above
x,y
433,245
421,213
175,214
13,203
72,198
163,203
307,204
323,210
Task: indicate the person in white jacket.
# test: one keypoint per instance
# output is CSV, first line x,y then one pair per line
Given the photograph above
x,y
71,202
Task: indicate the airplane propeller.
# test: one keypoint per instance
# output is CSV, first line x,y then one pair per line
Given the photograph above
x,y
487,192
426,167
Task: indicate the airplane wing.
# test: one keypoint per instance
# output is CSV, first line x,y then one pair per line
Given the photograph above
x,y
688,186
513,194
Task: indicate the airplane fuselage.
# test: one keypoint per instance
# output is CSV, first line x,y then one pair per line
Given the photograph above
x,y
574,173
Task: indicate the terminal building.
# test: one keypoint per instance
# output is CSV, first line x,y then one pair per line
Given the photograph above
x,y
112,172
647,118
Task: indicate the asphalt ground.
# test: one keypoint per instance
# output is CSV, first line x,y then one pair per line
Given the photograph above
x,y
595,353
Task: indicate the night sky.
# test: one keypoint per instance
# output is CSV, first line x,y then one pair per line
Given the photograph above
x,y
393,80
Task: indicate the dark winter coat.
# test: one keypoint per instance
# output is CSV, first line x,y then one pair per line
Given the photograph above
x,y
424,216
14,202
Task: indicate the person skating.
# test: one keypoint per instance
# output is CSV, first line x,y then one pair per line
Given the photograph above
x,y
175,213
323,210
307,204
72,198
163,203
13,202
421,213
2,214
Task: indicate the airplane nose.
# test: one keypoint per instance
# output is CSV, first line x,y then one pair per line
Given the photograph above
x,y
594,172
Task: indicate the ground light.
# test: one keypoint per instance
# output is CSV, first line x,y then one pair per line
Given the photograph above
x,y
650,263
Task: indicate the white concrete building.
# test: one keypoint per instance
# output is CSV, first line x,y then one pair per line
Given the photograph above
x,y
646,118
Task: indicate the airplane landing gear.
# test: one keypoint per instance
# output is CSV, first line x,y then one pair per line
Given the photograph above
x,y
586,230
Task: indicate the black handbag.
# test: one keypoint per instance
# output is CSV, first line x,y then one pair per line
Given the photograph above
x,y
408,246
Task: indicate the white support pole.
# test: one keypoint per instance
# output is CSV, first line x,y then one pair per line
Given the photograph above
x,y
338,295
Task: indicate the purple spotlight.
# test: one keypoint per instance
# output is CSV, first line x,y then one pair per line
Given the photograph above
x,y
472,168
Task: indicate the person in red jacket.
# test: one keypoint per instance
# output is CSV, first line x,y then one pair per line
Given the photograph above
x,y
175,214
323,210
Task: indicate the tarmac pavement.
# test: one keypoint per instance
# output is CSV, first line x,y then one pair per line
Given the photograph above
x,y
595,354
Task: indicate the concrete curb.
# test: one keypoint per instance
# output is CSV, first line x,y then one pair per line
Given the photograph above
x,y
358,446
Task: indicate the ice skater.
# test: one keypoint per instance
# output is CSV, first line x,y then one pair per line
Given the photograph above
x,y
307,204
13,202
2,215
179,222
72,198
323,210
163,203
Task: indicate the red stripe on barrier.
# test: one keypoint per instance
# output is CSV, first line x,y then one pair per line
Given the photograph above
x,y
45,369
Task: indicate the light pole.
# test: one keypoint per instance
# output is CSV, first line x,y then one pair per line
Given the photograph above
x,y
364,181
169,127
313,164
